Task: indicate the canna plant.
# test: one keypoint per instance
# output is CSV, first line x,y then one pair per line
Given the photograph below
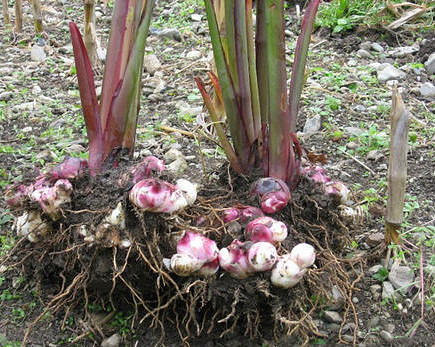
x,y
251,82
111,123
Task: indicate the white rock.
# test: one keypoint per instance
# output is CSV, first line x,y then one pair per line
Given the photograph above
x,y
112,341
427,90
388,291
400,52
333,317
312,125
401,277
390,73
37,53
377,47
430,64
196,17
194,55
364,54
36,90
151,63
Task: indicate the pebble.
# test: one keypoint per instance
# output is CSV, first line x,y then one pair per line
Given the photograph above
x,y
401,277
112,341
347,338
354,131
427,90
375,238
390,327
360,108
388,291
352,145
366,45
377,47
36,90
6,96
37,53
430,64
26,106
333,317
355,300
364,54
337,299
194,55
312,125
151,63
390,73
375,155
196,17
400,52
75,149
376,289
386,336
169,33
373,322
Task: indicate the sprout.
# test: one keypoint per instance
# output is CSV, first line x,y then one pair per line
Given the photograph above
x,y
51,198
266,229
117,216
69,169
273,192
156,195
234,260
262,256
303,254
31,226
144,169
337,189
242,213
286,273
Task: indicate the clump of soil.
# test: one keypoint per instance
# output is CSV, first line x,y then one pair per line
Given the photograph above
x,y
132,274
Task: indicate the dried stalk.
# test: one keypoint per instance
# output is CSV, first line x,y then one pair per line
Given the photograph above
x,y
6,17
18,15
396,168
90,35
37,16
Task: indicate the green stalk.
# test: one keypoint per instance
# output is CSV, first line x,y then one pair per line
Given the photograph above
x,y
300,60
238,133
279,125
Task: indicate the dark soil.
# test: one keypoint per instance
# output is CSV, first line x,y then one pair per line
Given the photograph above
x,y
85,292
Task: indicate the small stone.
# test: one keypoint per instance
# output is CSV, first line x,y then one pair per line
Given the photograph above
x,y
374,155
347,327
400,52
430,64
194,55
375,239
388,291
172,34
390,73
151,63
401,277
354,131
355,300
373,322
196,17
360,108
46,155
364,54
75,149
37,53
377,47
366,45
375,268
36,90
390,327
375,289
5,96
386,336
347,338
334,327
25,106
312,125
337,299
427,90
333,317
112,341
352,145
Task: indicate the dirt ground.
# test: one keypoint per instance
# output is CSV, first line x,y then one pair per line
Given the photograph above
x,y
41,122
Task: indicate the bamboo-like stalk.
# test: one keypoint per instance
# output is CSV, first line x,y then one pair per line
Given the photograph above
x,y
37,16
18,15
397,165
90,36
6,17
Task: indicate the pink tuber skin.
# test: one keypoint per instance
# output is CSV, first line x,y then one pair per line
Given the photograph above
x,y
145,168
155,195
70,168
266,229
51,198
234,260
195,254
242,213
273,192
